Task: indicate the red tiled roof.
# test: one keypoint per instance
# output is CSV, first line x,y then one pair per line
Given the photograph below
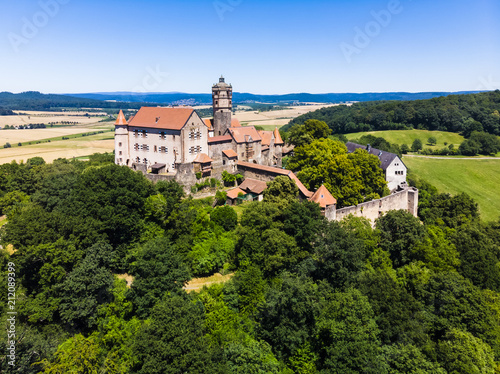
x,y
243,134
235,122
278,171
253,185
277,137
162,118
230,153
209,123
223,138
323,197
202,158
233,194
266,136
120,120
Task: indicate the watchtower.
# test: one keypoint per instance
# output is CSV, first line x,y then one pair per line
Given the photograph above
x,y
222,98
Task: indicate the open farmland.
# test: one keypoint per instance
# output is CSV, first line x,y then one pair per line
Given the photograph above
x,y
15,136
408,136
32,117
274,118
477,177
77,147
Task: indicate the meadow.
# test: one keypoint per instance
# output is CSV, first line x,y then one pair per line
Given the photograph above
x,y
77,147
479,178
408,136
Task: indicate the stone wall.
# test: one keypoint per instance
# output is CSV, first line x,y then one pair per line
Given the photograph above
x,y
406,199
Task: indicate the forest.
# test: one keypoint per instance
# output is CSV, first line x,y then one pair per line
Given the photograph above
x,y
455,113
409,295
37,101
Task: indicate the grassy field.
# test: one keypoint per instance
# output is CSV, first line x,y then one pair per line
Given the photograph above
x,y
76,147
478,178
408,136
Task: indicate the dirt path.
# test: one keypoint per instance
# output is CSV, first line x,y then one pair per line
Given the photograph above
x,y
454,158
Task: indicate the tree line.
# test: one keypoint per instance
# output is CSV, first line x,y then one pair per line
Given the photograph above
x,y
409,295
455,113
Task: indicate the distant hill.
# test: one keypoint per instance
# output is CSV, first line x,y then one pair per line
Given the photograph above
x,y
33,100
456,113
238,97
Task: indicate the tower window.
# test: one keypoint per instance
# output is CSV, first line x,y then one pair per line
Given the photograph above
x,y
119,144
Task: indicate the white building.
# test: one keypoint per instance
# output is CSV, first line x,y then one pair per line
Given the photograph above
x,y
394,168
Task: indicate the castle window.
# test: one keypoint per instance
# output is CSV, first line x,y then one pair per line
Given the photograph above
x,y
144,134
120,153
145,147
162,135
138,159
136,133
136,146
156,148
119,144
145,161
173,166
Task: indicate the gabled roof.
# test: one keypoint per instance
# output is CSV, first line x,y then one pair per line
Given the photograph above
x,y
323,197
120,120
233,194
235,122
277,137
385,158
266,136
202,158
229,153
220,139
276,171
253,185
209,123
244,134
162,118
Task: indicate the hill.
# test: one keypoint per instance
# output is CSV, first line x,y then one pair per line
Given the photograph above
x,y
33,100
477,177
456,113
239,97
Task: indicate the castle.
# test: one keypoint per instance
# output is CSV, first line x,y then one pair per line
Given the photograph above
x,y
175,143
170,141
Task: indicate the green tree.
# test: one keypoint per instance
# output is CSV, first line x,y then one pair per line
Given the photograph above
x,y
462,353
347,336
432,140
350,178
173,342
287,319
416,145
282,190
225,217
86,288
400,232
338,256
408,359
300,135
157,270
405,149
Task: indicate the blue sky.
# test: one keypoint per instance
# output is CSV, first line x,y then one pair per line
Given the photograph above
x,y
261,46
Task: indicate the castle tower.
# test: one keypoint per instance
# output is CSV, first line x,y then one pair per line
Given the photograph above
x,y
121,140
222,98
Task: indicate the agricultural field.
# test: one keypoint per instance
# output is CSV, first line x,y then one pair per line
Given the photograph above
x,y
408,136
477,177
50,151
32,117
269,120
